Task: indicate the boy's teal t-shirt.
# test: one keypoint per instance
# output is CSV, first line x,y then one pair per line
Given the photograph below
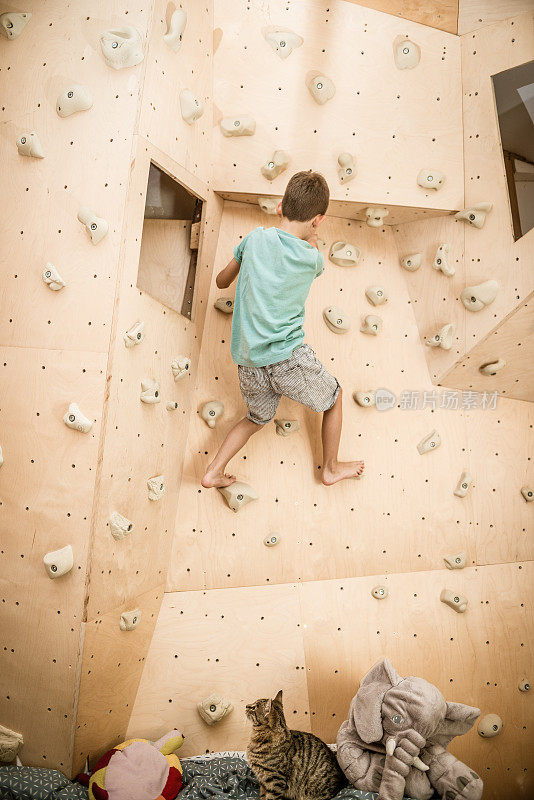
x,y
277,270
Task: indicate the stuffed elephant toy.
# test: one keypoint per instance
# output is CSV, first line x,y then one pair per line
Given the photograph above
x,y
394,741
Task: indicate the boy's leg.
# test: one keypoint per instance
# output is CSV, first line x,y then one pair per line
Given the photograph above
x,y
237,438
334,470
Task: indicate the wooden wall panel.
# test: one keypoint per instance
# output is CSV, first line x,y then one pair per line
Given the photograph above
x,y
393,133
441,14
474,14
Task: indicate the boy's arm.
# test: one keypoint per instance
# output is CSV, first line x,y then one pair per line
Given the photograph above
x,y
227,275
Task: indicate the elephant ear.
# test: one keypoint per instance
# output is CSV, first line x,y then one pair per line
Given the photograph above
x,y
366,707
458,720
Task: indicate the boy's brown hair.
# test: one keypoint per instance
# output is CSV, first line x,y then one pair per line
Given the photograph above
x,y
306,195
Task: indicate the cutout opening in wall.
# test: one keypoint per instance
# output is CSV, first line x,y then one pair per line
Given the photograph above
x,y
170,242
514,98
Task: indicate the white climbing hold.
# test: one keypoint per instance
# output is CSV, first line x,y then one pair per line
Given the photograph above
x,y
150,391
156,487
210,412
174,35
375,215
430,179
238,495
190,106
442,338
411,262
455,560
284,427
171,405
96,227
224,304
10,741
379,592
475,215
238,126
336,320
12,23
29,145
524,685
275,165
52,278
120,526
489,726
344,254
76,420
475,298
441,260
272,540
75,98
269,205
321,88
464,484
454,600
371,325
527,493
406,53
376,295
1,456
180,366
122,47
365,399
135,335
492,367
130,619
214,708
59,562
346,168
429,443
282,40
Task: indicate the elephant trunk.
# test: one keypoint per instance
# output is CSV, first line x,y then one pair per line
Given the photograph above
x,y
390,749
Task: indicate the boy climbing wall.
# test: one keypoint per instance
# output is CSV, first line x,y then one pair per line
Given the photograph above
x,y
276,267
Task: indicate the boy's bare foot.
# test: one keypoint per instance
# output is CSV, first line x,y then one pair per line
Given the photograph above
x,y
341,470
216,480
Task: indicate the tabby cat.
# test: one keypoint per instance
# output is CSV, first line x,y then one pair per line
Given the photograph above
x,y
289,765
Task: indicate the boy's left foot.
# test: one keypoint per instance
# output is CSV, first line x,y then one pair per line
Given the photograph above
x,y
217,480
342,470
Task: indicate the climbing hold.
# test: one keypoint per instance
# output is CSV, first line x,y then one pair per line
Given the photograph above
x,y
344,254
1,457
12,23
52,278
528,494
475,298
411,262
441,261
269,205
443,337
406,53
489,726
379,592
130,619
174,34
122,47
463,485
190,106
214,708
224,304
238,495
282,40
365,399
475,215
346,169
429,443
321,88
29,145
120,526
271,541
275,165
156,487
431,179
454,600
180,367
455,560
376,295
492,367
374,216
96,226
171,405
75,98
524,685
135,335
150,391
75,419
238,126
335,319
10,741
286,426
59,562
210,412
371,325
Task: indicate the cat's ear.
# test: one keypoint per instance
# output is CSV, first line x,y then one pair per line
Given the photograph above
x,y
278,698
267,707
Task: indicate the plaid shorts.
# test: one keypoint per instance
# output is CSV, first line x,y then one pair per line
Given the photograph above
x,y
301,377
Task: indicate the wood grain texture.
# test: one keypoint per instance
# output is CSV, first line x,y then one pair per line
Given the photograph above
x,y
474,14
441,14
164,260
